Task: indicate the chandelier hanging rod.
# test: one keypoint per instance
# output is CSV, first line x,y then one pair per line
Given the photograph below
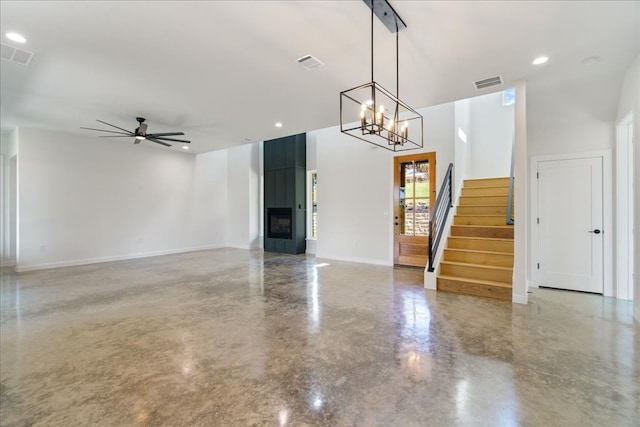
x,y
387,14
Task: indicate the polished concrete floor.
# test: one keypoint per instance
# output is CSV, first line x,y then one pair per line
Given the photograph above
x,y
240,338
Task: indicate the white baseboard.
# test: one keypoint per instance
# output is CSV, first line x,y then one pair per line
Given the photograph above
x,y
73,263
8,263
357,260
520,299
312,245
246,247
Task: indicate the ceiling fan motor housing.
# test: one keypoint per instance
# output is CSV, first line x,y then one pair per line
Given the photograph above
x,y
142,129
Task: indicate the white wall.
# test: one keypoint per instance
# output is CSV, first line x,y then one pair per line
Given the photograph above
x,y
462,149
355,185
243,180
8,188
571,137
439,136
490,140
558,123
630,103
521,234
83,199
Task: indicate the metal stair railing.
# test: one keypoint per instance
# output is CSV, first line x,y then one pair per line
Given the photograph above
x,y
439,214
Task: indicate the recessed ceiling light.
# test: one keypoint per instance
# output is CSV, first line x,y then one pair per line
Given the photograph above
x,y
185,147
18,38
278,125
540,60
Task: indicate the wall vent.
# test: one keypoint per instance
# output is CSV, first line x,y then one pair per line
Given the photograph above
x,y
310,62
13,54
491,81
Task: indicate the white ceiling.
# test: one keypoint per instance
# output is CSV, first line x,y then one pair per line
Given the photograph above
x,y
225,71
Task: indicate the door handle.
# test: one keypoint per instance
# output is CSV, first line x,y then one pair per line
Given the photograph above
x,y
596,231
397,223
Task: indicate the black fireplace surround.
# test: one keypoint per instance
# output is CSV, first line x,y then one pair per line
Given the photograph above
x,y
285,194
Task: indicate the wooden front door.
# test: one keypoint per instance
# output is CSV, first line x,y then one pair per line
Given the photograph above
x,y
414,195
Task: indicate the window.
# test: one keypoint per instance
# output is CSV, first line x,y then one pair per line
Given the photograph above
x,y
312,203
508,97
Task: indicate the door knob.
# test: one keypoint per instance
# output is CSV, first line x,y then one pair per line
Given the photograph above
x,y
397,223
596,231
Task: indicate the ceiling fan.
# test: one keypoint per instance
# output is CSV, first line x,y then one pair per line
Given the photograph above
x,y
140,134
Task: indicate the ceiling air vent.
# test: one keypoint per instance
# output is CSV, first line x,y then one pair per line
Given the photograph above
x,y
491,81
13,54
310,62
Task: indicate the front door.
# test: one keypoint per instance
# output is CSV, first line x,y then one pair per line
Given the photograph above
x,y
414,195
569,221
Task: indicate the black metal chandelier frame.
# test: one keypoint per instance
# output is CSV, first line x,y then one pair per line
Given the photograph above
x,y
388,130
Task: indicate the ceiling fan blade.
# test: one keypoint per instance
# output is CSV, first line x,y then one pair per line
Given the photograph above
x,y
109,124
109,131
137,141
169,139
153,135
158,142
115,136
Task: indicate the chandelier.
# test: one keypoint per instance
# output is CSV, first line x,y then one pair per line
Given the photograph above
x,y
371,113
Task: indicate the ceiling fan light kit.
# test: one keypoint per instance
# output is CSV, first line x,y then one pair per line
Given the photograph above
x,y
140,134
373,114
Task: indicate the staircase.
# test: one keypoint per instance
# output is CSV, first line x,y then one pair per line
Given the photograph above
x,y
478,259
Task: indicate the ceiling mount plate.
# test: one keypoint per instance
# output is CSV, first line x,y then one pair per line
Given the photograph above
x,y
387,14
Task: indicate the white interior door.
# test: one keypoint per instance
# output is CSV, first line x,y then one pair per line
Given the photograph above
x,y
570,224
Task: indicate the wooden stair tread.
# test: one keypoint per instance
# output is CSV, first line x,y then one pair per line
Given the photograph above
x,y
483,226
477,281
483,195
482,215
493,186
486,266
479,251
488,180
490,205
500,239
